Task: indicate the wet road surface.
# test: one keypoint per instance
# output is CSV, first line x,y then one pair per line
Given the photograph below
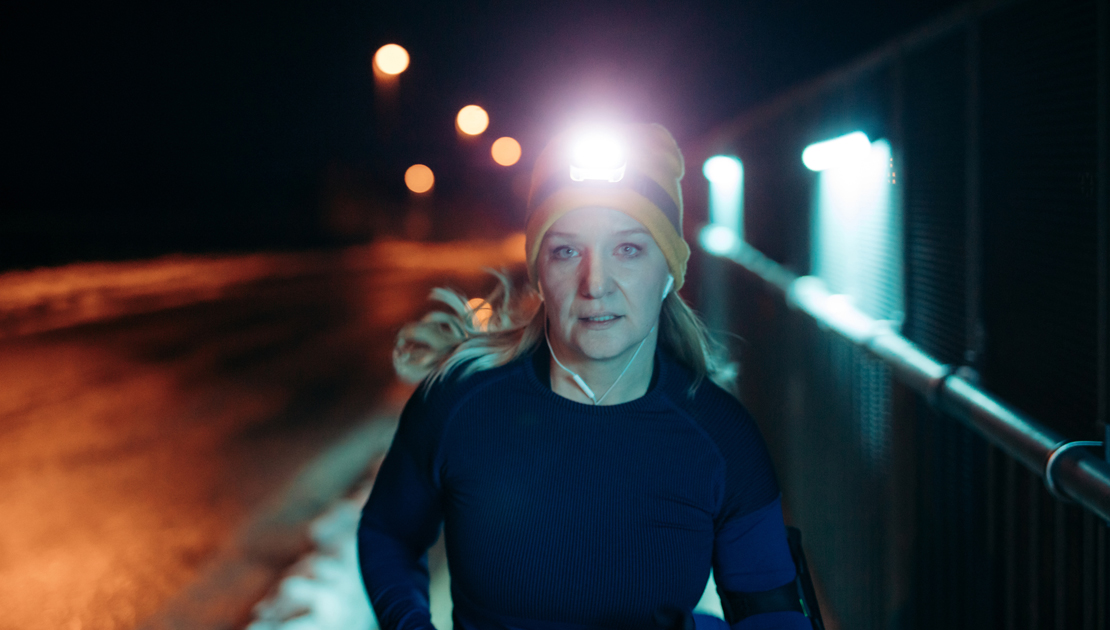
x,y
131,449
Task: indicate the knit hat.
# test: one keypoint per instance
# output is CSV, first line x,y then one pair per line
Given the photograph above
x,y
645,188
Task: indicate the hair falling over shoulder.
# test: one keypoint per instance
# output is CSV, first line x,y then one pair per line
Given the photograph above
x,y
502,328
484,335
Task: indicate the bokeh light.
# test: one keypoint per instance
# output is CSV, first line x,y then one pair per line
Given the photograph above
x,y
391,59
847,150
419,178
505,151
718,239
481,312
726,193
722,169
472,120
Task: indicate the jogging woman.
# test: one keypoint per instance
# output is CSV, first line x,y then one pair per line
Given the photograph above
x,y
585,468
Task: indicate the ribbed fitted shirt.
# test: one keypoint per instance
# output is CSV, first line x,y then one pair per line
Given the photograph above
x,y
565,516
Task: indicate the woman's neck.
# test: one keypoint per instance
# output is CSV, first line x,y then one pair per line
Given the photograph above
x,y
612,381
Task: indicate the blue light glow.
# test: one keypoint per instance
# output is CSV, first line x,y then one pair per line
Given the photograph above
x,y
718,240
726,193
857,254
723,170
847,150
857,239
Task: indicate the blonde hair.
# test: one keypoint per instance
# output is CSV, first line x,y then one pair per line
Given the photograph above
x,y
504,328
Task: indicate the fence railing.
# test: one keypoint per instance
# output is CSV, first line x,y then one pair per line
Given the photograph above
x,y
1070,473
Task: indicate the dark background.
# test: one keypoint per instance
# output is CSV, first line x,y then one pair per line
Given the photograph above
x,y
140,130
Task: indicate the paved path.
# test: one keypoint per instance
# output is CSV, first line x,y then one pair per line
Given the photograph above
x,y
149,412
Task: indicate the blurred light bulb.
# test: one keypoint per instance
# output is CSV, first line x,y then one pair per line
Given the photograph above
x,y
722,169
505,151
391,59
718,239
481,312
848,149
419,178
472,120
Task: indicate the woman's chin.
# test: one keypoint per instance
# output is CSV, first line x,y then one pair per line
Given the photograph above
x,y
598,346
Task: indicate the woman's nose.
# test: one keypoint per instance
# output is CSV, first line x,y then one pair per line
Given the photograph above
x,y
596,282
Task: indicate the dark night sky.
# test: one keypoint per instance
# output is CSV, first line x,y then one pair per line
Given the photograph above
x,y
226,117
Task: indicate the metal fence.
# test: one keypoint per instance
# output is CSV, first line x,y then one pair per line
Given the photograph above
x,y
996,116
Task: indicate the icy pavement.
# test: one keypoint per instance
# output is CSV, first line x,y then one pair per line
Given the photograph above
x,y
323,589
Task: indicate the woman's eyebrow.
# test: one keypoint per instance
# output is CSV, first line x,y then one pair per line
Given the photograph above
x,y
634,231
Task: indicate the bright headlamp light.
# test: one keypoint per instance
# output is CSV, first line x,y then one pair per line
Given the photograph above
x,y
597,156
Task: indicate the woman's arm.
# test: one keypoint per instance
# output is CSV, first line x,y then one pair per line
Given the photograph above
x,y
400,521
751,555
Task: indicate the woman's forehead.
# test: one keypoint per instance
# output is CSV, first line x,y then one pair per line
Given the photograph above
x,y
596,222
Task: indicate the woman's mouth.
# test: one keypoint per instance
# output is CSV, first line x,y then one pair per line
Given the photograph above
x,y
599,321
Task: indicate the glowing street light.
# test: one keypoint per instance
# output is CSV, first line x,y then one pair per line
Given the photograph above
x,y
505,151
391,59
726,195
472,120
852,148
722,170
718,239
419,178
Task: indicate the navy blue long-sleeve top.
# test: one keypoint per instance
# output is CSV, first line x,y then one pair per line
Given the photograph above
x,y
565,516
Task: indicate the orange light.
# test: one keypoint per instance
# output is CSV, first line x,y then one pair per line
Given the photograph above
x,y
391,59
482,312
472,120
513,247
419,178
505,151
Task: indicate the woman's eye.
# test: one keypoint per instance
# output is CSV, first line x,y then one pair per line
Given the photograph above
x,y
564,252
629,250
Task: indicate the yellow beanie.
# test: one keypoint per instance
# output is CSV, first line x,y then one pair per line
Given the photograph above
x,y
649,192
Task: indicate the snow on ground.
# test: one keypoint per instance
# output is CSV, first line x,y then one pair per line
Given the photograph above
x,y
323,590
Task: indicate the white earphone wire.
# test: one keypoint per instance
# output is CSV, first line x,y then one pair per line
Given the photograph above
x,y
578,379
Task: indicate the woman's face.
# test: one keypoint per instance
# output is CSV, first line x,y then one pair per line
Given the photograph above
x,y
602,277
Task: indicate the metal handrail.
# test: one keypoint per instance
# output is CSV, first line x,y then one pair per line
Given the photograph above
x,y
1071,473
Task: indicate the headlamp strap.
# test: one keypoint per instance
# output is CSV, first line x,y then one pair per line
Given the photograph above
x,y
642,185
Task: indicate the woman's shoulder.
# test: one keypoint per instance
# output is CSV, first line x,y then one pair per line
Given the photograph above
x,y
717,412
460,383
699,397
720,410
435,402
727,424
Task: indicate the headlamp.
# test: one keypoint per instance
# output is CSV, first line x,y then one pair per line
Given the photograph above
x,y
597,156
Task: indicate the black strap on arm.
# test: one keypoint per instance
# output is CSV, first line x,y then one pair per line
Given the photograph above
x,y
738,606
797,595
804,579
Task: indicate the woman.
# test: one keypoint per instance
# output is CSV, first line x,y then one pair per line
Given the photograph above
x,y
586,471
